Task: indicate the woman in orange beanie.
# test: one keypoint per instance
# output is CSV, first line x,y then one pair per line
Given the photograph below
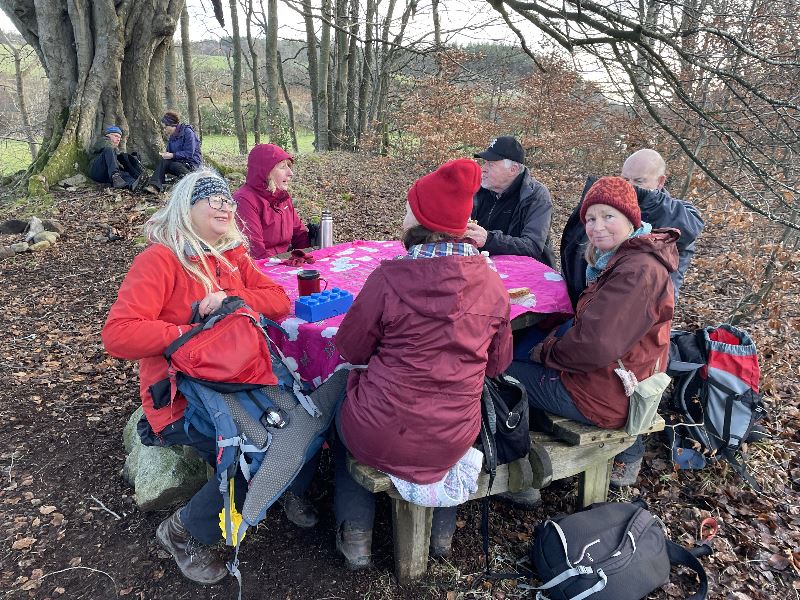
x,y
428,326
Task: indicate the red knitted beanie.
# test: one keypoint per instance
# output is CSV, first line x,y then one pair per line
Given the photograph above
x,y
442,200
617,193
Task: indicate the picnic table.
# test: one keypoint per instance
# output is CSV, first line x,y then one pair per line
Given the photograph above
x,y
312,346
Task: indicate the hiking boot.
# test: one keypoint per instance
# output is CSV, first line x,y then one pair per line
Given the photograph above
x,y
118,182
441,546
356,547
140,182
197,562
625,474
151,189
298,510
526,499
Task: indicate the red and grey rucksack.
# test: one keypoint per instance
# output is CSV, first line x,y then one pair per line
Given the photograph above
x,y
715,397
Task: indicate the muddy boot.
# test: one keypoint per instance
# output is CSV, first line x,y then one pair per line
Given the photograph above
x,y
355,545
118,182
298,510
137,185
443,526
197,562
625,474
526,499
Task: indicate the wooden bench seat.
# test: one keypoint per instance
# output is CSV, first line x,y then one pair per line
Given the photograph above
x,y
565,449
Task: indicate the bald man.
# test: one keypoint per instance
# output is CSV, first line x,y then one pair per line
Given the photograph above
x,y
647,171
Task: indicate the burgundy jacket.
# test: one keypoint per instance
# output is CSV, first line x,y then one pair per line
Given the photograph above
x,y
625,314
268,219
428,329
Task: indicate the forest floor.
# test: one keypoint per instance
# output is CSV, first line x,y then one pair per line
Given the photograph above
x,y
69,527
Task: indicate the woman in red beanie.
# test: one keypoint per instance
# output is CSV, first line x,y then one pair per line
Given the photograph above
x,y
624,315
266,213
428,326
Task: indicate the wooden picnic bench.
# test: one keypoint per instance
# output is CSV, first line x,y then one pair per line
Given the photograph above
x,y
564,449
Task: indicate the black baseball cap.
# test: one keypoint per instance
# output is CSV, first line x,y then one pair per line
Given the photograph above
x,y
506,146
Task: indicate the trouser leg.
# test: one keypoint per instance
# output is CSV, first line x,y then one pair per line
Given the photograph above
x,y
130,164
158,175
352,504
178,169
444,522
545,390
103,166
633,453
200,516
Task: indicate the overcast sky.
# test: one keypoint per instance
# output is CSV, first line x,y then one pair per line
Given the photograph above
x,y
475,18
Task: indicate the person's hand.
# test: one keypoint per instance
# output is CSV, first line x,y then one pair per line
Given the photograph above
x,y
166,155
211,303
477,233
536,353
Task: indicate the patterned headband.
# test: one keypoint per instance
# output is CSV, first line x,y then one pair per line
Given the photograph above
x,y
169,120
209,186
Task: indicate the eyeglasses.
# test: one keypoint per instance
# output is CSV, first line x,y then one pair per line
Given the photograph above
x,y
218,202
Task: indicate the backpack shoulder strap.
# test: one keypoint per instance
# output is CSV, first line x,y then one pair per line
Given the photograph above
x,y
678,555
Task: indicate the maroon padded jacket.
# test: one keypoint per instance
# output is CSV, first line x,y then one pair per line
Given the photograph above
x,y
626,313
428,329
268,219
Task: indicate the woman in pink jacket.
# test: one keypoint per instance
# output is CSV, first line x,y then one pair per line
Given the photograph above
x,y
266,213
429,326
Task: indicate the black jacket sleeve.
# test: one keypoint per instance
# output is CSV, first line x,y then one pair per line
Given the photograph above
x,y
535,213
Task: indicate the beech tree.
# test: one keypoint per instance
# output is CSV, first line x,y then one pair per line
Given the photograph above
x,y
721,79
105,62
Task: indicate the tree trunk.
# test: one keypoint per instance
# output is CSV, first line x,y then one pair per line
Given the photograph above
x,y
103,60
289,105
188,71
254,70
236,89
16,53
271,64
352,76
367,71
313,67
170,80
322,79
340,84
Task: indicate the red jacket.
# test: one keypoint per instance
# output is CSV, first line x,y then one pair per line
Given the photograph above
x,y
154,306
625,314
268,219
428,330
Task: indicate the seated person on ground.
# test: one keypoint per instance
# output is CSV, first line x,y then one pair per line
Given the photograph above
x,y
266,212
512,210
625,313
182,155
429,326
196,253
646,171
109,165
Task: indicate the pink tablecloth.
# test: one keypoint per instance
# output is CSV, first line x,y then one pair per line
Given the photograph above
x,y
312,345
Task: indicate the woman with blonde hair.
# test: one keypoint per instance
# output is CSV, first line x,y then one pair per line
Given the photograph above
x,y
266,211
196,253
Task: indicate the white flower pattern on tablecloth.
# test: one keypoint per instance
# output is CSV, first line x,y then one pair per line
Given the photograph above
x,y
292,327
329,332
553,276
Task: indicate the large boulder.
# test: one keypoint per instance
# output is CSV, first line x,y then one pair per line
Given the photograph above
x,y
161,477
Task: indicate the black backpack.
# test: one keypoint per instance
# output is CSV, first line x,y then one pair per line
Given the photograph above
x,y
715,402
608,551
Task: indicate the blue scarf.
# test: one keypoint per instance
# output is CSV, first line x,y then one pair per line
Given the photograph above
x,y
602,259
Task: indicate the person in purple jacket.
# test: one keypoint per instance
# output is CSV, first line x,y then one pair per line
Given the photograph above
x,y
428,326
182,155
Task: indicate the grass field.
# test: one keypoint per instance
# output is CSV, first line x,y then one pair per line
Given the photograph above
x,y
227,144
15,155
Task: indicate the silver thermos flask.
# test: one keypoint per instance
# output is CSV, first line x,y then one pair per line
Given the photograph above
x,y
326,229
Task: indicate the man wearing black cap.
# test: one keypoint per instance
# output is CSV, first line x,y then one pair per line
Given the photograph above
x,y
512,209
